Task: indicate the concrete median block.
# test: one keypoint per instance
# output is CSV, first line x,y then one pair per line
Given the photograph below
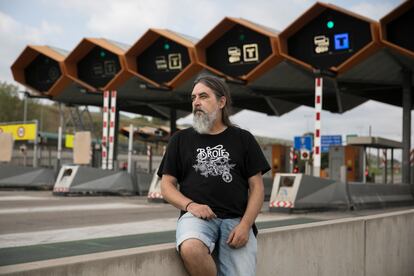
x,y
315,249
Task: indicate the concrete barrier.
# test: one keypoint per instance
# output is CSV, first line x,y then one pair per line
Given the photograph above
x,y
371,245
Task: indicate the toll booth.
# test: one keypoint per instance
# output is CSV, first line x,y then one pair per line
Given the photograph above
x,y
350,156
278,158
383,145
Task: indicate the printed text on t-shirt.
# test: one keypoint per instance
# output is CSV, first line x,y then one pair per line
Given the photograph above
x,y
214,161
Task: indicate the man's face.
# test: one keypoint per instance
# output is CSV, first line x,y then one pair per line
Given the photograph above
x,y
206,107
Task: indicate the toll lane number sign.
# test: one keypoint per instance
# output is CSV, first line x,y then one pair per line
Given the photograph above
x,y
171,62
323,44
248,53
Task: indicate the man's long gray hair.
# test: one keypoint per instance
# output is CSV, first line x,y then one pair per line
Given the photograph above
x,y
220,89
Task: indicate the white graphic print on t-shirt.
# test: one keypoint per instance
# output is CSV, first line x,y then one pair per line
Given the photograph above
x,y
214,161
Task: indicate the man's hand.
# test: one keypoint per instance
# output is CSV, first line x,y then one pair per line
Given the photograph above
x,y
239,236
201,211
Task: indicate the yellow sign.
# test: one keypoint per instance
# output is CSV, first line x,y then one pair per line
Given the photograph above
x,y
20,131
69,141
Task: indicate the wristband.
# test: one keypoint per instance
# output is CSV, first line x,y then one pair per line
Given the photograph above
x,y
188,204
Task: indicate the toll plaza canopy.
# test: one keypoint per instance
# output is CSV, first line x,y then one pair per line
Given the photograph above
x,y
374,142
268,71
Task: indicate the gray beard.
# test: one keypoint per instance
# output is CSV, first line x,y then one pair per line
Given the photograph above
x,y
203,122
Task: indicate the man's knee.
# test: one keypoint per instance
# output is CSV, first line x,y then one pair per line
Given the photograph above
x,y
193,248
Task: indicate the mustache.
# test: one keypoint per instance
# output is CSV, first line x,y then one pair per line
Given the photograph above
x,y
198,109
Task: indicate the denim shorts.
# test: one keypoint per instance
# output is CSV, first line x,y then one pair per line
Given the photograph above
x,y
214,233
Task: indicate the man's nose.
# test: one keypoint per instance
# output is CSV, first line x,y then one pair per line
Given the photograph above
x,y
196,102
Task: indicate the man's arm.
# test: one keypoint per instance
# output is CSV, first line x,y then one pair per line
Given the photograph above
x,y
171,194
240,234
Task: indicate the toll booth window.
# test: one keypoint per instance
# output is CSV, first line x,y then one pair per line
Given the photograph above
x,y
400,30
42,73
163,60
238,51
286,181
98,67
329,39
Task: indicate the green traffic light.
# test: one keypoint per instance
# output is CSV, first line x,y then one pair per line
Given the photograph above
x,y
330,24
166,46
102,54
242,37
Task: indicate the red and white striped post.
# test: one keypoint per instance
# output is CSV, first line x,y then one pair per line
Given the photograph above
x,y
112,131
105,130
317,142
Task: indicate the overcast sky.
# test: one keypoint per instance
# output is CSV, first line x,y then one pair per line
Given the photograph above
x,y
63,23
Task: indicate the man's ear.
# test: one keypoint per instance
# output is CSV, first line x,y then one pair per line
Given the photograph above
x,y
222,102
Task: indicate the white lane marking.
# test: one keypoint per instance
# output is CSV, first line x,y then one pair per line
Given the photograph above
x,y
17,198
84,233
104,206
102,231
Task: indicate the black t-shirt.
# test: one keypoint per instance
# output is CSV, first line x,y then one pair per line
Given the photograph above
x,y
214,169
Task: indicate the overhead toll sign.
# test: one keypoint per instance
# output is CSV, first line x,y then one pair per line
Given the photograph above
x,y
163,58
238,51
42,73
95,62
326,36
239,48
40,68
98,67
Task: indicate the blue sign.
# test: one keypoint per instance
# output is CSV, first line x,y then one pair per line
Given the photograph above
x,y
341,41
330,140
303,142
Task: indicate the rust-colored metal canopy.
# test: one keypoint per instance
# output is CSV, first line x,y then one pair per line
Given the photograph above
x,y
163,58
239,49
40,69
379,76
99,64
95,62
330,38
396,29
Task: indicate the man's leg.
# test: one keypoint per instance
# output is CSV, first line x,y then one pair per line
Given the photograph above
x,y
236,262
197,259
196,240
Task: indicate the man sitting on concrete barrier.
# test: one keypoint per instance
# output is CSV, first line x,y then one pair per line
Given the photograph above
x,y
219,168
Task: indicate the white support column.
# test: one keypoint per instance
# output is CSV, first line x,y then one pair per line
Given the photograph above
x,y
317,137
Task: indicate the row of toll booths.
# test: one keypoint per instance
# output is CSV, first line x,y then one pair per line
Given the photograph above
x,y
284,190
348,185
